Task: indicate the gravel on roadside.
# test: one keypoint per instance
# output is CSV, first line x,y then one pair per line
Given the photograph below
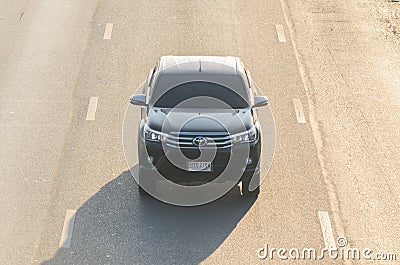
x,y
388,12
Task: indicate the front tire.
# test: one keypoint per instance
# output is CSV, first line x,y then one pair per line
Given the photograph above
x,y
246,186
142,192
144,181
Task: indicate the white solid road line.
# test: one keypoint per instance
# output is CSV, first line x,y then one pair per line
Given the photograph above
x,y
108,31
281,33
298,108
326,228
91,112
66,235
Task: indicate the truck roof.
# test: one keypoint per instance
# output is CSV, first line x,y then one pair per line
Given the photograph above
x,y
220,65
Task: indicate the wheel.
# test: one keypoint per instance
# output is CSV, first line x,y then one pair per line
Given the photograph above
x,y
145,181
246,185
142,192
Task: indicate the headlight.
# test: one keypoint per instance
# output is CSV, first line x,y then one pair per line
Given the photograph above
x,y
245,137
152,135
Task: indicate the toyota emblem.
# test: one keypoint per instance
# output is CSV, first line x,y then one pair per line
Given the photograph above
x,y
199,141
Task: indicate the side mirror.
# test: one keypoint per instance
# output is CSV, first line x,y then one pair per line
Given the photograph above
x,y
260,101
138,100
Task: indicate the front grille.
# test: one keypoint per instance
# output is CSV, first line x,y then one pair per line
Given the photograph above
x,y
185,139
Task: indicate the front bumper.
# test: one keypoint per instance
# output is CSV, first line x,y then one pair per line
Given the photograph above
x,y
169,171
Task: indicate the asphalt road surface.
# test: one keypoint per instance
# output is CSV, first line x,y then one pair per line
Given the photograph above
x,y
67,69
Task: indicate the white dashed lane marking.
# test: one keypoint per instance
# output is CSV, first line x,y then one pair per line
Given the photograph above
x,y
91,112
298,108
108,31
281,33
326,228
66,234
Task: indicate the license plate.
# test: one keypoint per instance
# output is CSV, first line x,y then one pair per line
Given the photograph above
x,y
200,166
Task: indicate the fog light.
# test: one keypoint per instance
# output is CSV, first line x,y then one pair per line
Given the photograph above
x,y
150,159
249,161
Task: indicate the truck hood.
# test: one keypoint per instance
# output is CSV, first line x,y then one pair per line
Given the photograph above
x,y
200,120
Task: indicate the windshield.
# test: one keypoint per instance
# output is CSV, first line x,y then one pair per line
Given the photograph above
x,y
201,94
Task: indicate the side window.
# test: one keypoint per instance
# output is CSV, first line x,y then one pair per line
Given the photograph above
x,y
154,74
245,73
250,84
151,82
146,89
